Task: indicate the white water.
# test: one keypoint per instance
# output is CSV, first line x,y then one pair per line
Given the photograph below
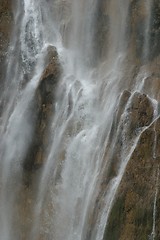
x,y
86,99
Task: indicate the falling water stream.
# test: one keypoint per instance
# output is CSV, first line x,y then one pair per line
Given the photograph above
x,y
85,101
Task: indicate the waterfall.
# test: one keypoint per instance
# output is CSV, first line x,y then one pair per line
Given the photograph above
x,y
64,197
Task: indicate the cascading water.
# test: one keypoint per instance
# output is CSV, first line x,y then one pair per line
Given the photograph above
x,y
67,187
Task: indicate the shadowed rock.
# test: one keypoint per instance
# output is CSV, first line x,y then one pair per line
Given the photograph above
x,y
44,109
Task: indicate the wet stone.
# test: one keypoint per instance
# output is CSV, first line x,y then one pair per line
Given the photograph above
x,y
44,109
140,111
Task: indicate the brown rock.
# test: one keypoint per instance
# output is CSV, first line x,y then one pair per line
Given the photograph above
x,y
136,193
122,103
140,111
137,186
152,86
129,119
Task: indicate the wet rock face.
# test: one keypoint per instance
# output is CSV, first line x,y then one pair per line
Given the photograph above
x,y
140,111
49,77
139,24
121,106
155,30
132,213
131,216
152,86
43,110
101,32
134,112
6,20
